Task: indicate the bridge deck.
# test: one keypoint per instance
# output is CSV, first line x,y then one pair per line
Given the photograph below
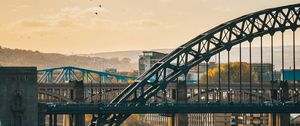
x,y
245,86
164,108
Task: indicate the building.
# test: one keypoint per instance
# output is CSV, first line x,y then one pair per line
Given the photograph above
x,y
289,75
263,71
148,59
18,96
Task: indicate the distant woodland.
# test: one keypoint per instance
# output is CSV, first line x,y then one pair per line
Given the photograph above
x,y
19,57
127,60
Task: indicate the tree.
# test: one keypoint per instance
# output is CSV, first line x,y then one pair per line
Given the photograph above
x,y
213,74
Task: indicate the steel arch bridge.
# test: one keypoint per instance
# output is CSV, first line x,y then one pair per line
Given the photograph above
x,y
54,83
177,64
68,73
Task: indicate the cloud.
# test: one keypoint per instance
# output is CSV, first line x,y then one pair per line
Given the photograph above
x,y
32,23
66,18
77,19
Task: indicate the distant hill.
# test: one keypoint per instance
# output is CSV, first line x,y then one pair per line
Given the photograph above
x,y
134,55
131,54
18,57
127,60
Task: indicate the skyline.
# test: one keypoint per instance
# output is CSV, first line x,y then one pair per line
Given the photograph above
x,y
72,26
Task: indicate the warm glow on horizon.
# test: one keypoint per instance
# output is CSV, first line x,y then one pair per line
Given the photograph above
x,y
71,26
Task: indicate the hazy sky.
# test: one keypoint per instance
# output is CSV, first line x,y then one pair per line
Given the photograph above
x,y
67,26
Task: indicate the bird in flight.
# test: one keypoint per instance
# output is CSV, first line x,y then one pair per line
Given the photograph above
x,y
96,13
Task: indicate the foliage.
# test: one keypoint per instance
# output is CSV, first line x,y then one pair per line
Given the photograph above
x,y
213,74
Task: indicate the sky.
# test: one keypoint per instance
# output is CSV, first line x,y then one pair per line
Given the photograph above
x,y
72,27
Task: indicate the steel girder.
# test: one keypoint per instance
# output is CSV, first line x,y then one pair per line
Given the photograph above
x,y
65,74
88,108
56,96
201,48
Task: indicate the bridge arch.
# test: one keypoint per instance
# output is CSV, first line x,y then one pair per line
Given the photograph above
x,y
202,48
218,39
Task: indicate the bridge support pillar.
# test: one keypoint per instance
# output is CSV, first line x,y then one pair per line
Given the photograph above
x,y
41,119
79,98
79,120
181,119
284,119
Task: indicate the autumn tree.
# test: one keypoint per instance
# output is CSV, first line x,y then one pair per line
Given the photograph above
x,y
213,74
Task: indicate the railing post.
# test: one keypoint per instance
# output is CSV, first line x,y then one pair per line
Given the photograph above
x,y
55,120
50,120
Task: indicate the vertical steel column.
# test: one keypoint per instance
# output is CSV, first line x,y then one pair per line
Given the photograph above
x,y
261,69
66,74
206,82
82,75
294,66
47,77
228,77
250,73
51,76
100,87
86,77
240,49
272,63
177,83
282,58
198,81
219,76
92,92
69,74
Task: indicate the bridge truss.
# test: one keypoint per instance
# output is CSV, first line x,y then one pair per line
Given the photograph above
x,y
69,73
246,29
